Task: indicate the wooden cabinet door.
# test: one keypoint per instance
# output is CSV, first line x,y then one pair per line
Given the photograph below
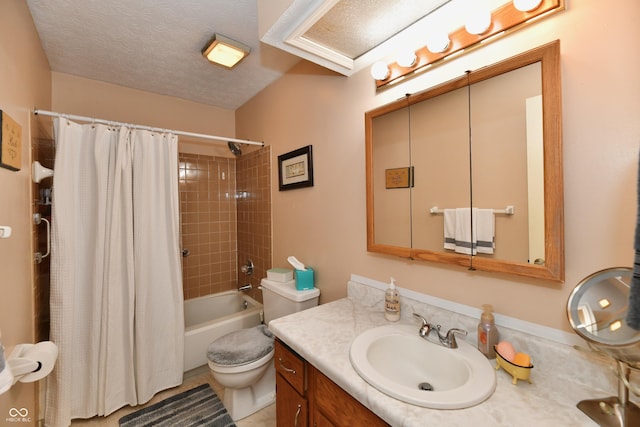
x,y
291,408
321,420
331,405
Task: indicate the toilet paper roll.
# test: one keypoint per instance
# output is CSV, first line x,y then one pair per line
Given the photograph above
x,y
6,376
45,353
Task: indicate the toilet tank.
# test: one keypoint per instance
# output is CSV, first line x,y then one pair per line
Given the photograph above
x,y
282,298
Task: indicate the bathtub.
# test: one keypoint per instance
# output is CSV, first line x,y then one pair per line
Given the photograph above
x,y
211,316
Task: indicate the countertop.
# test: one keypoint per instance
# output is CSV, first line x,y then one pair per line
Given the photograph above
x,y
323,336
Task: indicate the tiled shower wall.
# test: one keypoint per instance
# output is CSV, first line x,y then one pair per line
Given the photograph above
x,y
208,218
254,215
225,206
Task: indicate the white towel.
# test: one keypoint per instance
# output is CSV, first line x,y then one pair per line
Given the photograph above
x,y
458,230
450,229
464,240
484,220
6,376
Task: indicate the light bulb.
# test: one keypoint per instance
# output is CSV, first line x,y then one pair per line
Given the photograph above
x,y
526,5
407,58
438,41
379,71
478,21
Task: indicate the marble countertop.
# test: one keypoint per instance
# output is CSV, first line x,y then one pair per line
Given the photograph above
x,y
323,336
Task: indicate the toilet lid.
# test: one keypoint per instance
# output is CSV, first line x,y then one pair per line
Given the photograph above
x,y
241,347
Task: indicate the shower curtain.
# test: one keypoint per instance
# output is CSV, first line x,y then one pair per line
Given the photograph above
x,y
116,282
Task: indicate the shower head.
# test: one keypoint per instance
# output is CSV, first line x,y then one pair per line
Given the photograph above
x,y
39,172
235,148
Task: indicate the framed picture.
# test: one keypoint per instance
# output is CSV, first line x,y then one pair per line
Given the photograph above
x,y
10,142
399,177
295,169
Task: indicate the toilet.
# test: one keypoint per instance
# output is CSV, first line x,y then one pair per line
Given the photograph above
x,y
242,361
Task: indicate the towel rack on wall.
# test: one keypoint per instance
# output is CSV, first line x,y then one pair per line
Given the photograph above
x,y
509,210
37,220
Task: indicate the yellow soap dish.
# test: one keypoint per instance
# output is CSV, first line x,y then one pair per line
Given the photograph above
x,y
516,371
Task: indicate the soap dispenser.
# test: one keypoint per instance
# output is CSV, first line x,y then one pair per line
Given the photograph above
x,y
487,332
392,302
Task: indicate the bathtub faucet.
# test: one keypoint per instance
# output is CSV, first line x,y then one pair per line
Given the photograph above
x,y
246,287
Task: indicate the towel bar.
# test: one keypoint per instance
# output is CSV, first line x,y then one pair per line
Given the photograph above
x,y
509,210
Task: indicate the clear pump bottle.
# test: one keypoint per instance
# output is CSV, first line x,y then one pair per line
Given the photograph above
x,y
392,302
487,332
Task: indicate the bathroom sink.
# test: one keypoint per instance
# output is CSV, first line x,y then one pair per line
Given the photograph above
x,y
398,362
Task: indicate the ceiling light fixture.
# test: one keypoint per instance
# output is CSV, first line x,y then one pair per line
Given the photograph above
x,y
526,5
224,51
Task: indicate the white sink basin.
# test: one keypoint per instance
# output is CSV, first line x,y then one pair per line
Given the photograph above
x,y
398,362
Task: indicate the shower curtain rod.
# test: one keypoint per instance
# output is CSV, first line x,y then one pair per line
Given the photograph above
x,y
177,132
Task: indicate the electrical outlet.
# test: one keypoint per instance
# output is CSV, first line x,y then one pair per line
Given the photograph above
x,y
5,231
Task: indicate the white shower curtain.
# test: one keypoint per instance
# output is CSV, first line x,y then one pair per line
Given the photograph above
x,y
116,283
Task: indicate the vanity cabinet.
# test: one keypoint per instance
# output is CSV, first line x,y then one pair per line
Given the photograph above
x,y
291,387
307,397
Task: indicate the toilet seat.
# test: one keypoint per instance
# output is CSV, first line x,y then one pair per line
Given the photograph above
x,y
244,367
241,350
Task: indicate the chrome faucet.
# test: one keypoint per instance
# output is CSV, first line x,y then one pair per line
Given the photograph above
x,y
448,340
426,327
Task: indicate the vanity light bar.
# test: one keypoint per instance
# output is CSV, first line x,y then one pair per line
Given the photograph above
x,y
503,19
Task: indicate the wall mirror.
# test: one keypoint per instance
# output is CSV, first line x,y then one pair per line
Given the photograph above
x,y
491,140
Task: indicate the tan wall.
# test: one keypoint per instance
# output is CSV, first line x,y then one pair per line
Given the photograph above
x,y
92,98
325,226
25,80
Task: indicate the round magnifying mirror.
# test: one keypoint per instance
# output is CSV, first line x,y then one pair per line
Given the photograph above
x,y
597,309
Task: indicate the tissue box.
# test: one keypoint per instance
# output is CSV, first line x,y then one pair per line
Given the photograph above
x,y
280,274
304,279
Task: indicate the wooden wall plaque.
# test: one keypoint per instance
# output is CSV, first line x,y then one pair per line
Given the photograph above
x,y
10,143
399,177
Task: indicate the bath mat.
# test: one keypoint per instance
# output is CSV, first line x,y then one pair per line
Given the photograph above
x,y
196,407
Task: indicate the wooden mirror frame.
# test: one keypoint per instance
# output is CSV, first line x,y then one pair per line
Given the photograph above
x,y
553,269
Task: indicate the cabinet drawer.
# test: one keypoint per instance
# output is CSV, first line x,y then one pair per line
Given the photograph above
x,y
290,366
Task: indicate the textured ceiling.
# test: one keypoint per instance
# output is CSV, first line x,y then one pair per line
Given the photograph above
x,y
155,45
